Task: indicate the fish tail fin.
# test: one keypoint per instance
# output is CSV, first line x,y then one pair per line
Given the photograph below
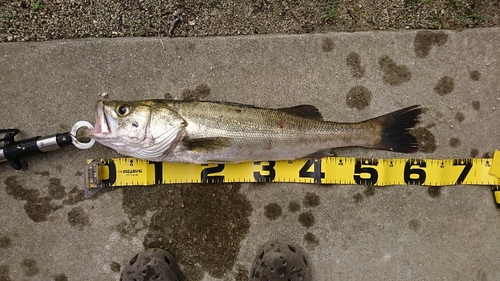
x,y
395,135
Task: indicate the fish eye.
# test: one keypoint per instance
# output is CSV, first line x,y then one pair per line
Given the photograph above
x,y
123,110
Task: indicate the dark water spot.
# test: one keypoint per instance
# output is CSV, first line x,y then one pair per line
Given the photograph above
x,y
200,92
454,142
311,200
393,74
242,273
75,195
78,218
460,117
293,206
44,173
60,277
358,197
310,238
59,168
273,211
426,140
354,63
115,267
56,190
191,46
444,86
434,191
486,155
327,45
5,273
38,207
29,267
306,219
201,224
414,224
78,173
474,153
358,97
425,39
369,190
476,105
5,241
475,75
168,96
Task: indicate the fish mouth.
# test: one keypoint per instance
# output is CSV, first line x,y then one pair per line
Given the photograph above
x,y
104,122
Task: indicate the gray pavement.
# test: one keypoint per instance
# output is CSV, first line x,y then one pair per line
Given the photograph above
x,y
48,232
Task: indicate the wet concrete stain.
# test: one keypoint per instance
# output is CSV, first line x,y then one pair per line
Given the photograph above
x,y
200,92
426,140
272,211
474,153
486,155
327,45
38,207
293,206
359,97
424,40
78,218
434,191
168,96
476,105
201,224
60,277
475,75
5,273
306,219
454,142
393,74
414,224
242,273
369,191
444,86
191,46
115,267
358,197
311,239
311,200
5,241
354,62
460,117
29,267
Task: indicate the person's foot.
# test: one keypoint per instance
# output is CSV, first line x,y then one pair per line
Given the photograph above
x,y
280,261
152,264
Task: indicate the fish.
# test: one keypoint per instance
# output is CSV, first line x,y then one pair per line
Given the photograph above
x,y
205,132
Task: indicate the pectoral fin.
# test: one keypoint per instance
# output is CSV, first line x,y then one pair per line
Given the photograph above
x,y
207,144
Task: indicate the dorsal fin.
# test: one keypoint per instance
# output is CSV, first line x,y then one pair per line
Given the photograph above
x,y
305,110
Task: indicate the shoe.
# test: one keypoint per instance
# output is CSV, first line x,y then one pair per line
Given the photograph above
x,y
152,264
280,261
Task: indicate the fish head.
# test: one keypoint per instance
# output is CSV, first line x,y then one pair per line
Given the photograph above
x,y
142,129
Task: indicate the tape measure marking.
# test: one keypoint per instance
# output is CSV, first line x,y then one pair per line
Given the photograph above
x,y
331,170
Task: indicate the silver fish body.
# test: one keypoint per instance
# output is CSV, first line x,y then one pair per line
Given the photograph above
x,y
219,132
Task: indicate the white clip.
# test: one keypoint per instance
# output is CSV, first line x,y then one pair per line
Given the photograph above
x,y
76,142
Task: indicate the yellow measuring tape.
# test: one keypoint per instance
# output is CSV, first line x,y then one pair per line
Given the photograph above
x,y
331,170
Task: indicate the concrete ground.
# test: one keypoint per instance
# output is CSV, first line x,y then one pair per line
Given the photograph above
x,y
49,232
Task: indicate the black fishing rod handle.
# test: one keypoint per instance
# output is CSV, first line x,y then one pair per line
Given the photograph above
x,y
14,151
